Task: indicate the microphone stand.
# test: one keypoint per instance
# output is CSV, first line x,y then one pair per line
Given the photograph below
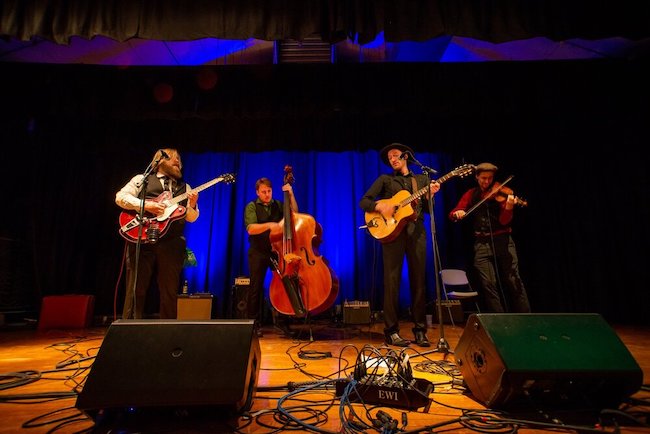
x,y
443,345
141,221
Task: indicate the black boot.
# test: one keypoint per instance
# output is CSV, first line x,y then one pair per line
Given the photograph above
x,y
421,338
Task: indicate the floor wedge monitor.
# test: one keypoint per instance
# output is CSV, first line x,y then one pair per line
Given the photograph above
x,y
522,360
173,364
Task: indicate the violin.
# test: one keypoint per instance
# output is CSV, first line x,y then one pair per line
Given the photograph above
x,y
501,193
498,192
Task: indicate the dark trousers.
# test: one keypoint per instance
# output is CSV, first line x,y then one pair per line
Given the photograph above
x,y
258,264
164,258
497,267
412,243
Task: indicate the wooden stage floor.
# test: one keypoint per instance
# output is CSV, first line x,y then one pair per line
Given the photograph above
x,y
42,370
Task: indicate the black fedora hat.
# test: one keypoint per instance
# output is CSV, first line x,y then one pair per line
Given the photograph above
x,y
384,151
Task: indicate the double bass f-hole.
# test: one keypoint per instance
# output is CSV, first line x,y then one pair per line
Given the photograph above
x,y
306,253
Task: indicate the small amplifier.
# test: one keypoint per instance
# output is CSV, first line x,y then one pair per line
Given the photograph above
x,y
452,311
356,312
238,305
242,281
194,306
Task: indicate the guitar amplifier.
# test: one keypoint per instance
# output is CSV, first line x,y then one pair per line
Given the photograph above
x,y
239,298
356,312
194,306
242,281
452,312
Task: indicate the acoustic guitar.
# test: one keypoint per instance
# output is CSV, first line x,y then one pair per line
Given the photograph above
x,y
130,220
386,229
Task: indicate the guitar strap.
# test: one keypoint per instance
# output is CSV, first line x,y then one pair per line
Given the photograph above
x,y
416,202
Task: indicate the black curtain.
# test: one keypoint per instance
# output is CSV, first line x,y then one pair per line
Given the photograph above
x,y
570,132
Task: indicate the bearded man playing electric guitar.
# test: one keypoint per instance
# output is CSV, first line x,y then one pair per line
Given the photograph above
x,y
162,246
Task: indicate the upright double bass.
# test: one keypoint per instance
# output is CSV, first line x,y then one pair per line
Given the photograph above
x,y
303,283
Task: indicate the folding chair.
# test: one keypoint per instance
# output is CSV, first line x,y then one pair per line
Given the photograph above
x,y
456,286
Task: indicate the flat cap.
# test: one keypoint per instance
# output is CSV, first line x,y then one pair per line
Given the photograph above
x,y
486,167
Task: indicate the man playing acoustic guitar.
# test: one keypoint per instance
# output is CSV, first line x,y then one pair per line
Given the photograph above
x,y
408,237
162,246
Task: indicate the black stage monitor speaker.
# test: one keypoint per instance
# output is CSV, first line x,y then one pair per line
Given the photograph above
x,y
518,360
173,363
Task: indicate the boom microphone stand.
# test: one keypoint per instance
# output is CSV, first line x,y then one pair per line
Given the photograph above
x,y
443,345
141,222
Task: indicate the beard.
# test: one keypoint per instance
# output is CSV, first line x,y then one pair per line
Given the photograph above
x,y
170,169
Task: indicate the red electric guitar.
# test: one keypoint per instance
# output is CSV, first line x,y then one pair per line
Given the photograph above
x,y
130,220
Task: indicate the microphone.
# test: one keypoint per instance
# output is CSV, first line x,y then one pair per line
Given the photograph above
x,y
404,155
165,155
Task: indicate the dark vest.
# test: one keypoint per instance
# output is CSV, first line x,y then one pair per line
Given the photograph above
x,y
155,189
486,216
261,242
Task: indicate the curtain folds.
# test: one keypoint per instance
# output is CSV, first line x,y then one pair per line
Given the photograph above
x,y
332,20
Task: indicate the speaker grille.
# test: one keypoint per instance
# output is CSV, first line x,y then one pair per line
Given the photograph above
x,y
239,301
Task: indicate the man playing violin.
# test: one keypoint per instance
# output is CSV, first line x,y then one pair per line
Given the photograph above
x,y
495,254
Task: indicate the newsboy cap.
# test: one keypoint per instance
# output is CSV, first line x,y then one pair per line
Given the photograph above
x,y
486,167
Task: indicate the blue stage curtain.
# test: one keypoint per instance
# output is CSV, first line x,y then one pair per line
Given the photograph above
x,y
328,186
